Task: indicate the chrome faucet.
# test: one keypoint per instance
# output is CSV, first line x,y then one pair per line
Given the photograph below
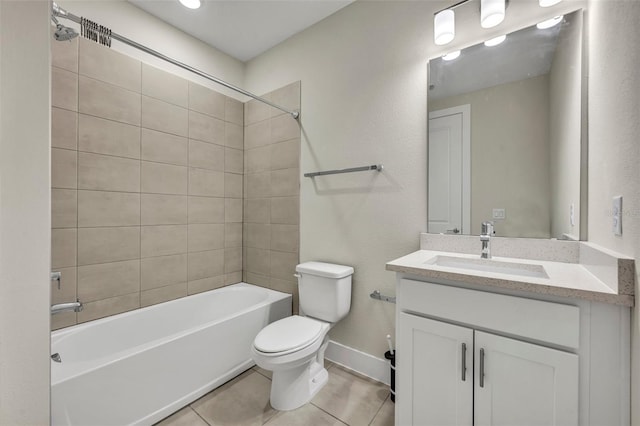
x,y
64,307
485,237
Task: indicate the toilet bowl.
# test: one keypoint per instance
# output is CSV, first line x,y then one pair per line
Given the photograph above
x,y
293,348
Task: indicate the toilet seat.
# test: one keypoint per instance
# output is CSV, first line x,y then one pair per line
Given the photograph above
x,y
288,335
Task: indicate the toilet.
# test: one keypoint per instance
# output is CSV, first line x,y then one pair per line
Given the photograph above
x,y
293,348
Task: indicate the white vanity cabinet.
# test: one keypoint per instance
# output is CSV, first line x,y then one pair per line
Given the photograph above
x,y
471,357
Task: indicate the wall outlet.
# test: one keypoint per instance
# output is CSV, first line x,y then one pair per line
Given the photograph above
x,y
499,214
617,215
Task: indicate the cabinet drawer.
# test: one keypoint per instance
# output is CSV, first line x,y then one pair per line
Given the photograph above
x,y
536,320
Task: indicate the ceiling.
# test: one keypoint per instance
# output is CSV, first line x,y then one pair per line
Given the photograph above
x,y
243,28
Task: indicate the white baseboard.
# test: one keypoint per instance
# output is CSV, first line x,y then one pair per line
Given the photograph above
x,y
358,361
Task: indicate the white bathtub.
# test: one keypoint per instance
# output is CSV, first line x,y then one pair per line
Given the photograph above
x,y
138,367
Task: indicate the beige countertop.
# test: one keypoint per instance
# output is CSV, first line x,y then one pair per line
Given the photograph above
x,y
564,279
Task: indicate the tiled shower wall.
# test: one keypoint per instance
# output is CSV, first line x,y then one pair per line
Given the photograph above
x,y
272,192
147,183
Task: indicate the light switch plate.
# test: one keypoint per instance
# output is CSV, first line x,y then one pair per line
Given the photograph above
x,y
617,215
499,214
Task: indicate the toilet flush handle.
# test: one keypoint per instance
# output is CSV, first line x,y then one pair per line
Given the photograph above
x,y
296,275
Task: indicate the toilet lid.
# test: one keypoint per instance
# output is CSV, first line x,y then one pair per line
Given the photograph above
x,y
288,334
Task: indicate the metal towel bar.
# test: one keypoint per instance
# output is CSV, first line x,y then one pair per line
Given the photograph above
x,y
377,167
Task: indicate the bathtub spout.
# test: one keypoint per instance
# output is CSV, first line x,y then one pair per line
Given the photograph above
x,y
64,307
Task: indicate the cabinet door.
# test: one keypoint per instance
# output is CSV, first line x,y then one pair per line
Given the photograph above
x,y
519,383
435,373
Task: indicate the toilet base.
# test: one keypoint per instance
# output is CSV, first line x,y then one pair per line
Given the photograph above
x,y
292,388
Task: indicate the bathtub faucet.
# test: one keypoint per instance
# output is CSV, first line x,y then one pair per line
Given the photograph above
x,y
64,307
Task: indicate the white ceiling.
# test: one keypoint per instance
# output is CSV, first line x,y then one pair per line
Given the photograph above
x,y
243,28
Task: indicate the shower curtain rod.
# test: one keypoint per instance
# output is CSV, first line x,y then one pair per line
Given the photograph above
x,y
103,35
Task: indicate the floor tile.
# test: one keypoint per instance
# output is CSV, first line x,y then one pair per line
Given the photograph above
x,y
184,417
242,401
306,415
351,398
385,416
266,373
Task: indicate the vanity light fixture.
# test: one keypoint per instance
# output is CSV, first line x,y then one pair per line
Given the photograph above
x,y
547,3
451,56
191,4
444,28
549,22
495,41
491,12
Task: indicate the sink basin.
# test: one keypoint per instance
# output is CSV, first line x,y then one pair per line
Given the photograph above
x,y
486,265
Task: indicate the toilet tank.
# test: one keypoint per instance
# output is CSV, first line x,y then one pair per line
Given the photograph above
x,y
324,290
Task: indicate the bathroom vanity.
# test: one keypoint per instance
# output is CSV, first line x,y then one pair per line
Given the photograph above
x,y
539,334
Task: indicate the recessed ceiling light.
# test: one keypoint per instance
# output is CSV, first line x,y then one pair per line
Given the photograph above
x,y
451,56
495,41
191,4
549,22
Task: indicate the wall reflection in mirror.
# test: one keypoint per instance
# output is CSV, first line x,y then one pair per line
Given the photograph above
x,y
505,135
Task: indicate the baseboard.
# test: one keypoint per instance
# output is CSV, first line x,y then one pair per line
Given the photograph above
x,y
358,361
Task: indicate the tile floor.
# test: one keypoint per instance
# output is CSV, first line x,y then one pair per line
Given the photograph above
x,y
348,399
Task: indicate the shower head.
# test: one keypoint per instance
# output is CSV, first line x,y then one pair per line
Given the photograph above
x,y
63,33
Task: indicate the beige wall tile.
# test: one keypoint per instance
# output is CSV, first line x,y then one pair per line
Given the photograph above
x,y
163,209
205,128
205,237
206,284
64,247
64,89
64,128
164,117
257,210
283,265
257,235
162,271
110,66
255,111
287,97
233,185
283,128
233,160
164,86
206,210
107,307
290,286
64,168
233,260
233,235
285,210
62,320
108,101
285,238
257,260
164,147
163,240
233,210
164,178
258,159
234,111
102,208
233,277
103,245
108,137
105,280
163,294
258,185
68,287
234,136
285,182
64,208
206,101
285,155
65,54
206,183
206,264
253,278
257,135
206,155
106,173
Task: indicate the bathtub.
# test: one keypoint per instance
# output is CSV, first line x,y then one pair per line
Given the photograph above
x,y
140,366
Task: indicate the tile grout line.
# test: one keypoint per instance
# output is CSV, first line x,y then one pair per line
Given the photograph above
x,y
379,409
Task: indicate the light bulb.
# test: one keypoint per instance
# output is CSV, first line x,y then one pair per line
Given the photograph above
x,y
495,41
547,3
191,4
444,29
491,12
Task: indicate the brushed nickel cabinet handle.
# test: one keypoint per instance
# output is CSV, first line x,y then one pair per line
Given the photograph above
x,y
481,368
464,362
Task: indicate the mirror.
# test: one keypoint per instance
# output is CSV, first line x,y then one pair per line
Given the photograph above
x,y
505,135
